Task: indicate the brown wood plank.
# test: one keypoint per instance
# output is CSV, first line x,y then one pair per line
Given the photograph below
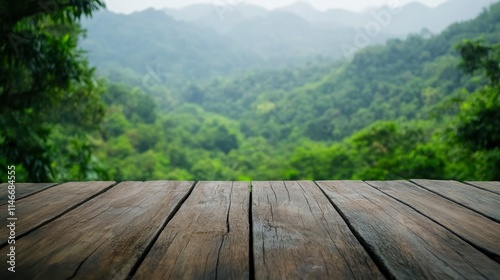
x,y
406,243
40,208
22,190
489,186
456,218
297,234
207,239
103,238
482,201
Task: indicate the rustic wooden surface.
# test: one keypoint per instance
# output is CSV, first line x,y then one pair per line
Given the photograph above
x,y
104,237
459,220
280,230
479,200
489,186
298,234
22,190
207,239
409,245
37,210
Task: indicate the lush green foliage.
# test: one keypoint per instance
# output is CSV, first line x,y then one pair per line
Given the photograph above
x,y
476,128
46,88
400,110
394,111
203,41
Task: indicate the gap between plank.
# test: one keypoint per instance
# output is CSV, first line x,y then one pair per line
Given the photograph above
x,y
153,240
476,186
482,250
35,192
454,201
62,213
251,265
378,261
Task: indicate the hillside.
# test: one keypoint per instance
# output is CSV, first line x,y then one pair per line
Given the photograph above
x,y
377,116
150,41
279,99
200,42
401,80
413,16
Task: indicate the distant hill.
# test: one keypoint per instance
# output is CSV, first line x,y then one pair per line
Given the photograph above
x,y
461,10
218,17
203,41
400,80
373,116
413,17
152,43
301,29
283,33
304,10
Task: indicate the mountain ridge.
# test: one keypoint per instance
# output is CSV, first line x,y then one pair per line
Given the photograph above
x,y
422,16
194,50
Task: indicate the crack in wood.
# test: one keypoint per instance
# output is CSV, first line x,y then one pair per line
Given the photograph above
x,y
353,229
228,227
84,260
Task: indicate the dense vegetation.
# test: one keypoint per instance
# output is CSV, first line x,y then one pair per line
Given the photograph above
x,y
50,100
422,107
203,41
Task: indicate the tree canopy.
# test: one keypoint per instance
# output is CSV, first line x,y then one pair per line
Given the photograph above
x,y
45,81
422,107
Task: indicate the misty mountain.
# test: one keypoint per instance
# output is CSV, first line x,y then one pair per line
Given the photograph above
x,y
412,18
222,18
461,11
152,43
391,81
304,10
415,16
283,33
203,41
332,18
300,29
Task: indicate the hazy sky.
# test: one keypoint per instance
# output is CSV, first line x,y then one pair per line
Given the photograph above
x,y
127,6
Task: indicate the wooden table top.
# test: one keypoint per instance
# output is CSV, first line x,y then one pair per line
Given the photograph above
x,y
418,229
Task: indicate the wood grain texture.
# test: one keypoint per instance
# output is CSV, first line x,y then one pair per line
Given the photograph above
x,y
407,243
489,186
102,238
22,190
458,219
482,201
207,239
39,208
297,234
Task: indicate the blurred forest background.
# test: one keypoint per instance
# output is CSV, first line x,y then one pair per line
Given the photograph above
x,y
244,93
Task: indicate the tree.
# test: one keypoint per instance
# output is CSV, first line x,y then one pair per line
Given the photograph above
x,y
43,75
478,122
477,125
479,56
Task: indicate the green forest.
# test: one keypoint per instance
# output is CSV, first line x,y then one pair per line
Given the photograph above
x,y
420,106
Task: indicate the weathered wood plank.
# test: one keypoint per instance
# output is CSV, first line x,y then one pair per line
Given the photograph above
x,y
207,239
22,190
489,186
103,238
42,207
297,234
407,243
458,219
482,201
